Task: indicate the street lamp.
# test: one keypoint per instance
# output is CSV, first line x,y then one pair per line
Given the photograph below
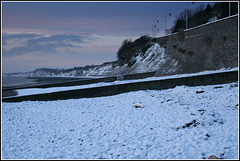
x,y
166,18
155,30
187,15
229,9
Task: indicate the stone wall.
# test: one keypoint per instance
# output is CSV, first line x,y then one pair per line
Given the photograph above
x,y
208,47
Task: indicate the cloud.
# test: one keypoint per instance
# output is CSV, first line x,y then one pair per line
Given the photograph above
x,y
28,51
29,62
102,40
21,43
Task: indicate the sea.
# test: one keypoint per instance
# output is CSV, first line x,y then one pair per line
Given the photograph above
x,y
25,80
16,80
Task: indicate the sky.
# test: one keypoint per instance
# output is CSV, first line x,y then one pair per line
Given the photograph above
x,y
72,34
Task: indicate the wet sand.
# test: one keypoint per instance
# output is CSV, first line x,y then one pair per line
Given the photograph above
x,y
9,93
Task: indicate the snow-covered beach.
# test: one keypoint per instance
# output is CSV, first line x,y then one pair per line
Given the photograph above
x,y
179,123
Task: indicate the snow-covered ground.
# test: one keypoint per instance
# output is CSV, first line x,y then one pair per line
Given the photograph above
x,y
179,123
29,91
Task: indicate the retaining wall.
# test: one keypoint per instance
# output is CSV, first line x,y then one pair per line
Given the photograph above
x,y
208,47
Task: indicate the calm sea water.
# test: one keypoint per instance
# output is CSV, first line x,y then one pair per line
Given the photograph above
x,y
23,80
16,80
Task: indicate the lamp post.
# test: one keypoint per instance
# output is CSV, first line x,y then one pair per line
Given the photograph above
x,y
166,18
186,16
154,28
229,9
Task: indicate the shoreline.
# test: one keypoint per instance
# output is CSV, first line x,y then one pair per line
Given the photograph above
x,y
9,93
29,81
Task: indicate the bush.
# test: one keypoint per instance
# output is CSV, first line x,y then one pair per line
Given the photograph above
x,y
130,49
123,53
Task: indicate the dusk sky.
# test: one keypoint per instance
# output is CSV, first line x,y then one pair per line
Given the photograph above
x,y
72,34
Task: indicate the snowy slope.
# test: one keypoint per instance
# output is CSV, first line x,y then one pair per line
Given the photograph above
x,y
103,69
106,69
153,60
180,123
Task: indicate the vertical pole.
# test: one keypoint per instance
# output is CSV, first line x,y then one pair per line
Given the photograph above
x,y
153,29
186,16
165,21
229,8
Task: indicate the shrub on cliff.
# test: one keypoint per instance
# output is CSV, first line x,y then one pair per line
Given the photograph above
x,y
130,49
124,52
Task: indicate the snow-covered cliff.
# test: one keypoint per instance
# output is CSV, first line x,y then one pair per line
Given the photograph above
x,y
154,59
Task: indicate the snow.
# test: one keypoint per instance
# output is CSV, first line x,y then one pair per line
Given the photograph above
x,y
213,19
152,60
30,91
103,70
179,123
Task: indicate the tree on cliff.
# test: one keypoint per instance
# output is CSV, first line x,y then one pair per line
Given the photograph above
x,y
124,54
130,49
201,15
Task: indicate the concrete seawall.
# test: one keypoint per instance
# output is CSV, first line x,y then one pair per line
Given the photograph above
x,y
210,46
208,79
